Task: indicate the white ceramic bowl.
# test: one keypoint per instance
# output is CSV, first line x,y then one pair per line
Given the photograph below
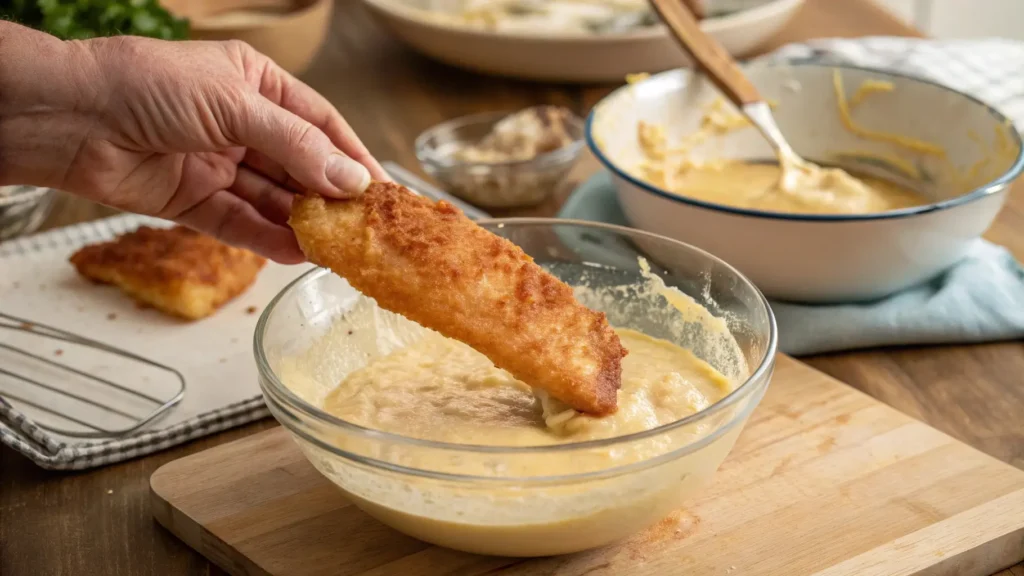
x,y
821,258
574,57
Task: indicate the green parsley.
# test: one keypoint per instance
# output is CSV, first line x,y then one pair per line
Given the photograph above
x,y
82,19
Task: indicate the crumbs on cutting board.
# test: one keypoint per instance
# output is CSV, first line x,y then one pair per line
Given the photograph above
x,y
251,310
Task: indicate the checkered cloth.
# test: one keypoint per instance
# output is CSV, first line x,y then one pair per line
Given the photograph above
x,y
51,453
992,70
220,395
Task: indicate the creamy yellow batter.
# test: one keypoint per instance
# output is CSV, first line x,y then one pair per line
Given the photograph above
x,y
795,187
756,186
440,389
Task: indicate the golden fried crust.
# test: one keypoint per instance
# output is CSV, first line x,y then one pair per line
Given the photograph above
x,y
431,264
177,271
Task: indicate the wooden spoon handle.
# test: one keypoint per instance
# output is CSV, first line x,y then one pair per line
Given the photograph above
x,y
710,56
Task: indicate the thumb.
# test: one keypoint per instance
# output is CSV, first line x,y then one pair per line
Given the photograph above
x,y
302,149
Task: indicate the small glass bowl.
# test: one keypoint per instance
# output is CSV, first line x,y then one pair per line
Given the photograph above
x,y
528,500
23,209
515,184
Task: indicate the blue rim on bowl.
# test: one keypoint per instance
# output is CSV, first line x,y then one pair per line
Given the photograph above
x,y
990,188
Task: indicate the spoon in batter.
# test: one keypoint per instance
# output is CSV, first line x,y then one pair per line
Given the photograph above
x,y
797,175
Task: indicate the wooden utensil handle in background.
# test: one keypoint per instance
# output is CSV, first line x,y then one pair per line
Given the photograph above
x,y
710,56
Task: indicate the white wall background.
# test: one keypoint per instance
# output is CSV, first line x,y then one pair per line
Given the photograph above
x,y
962,18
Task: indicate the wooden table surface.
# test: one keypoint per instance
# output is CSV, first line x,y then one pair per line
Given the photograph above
x,y
98,522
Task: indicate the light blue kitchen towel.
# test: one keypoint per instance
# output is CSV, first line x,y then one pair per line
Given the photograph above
x,y
981,299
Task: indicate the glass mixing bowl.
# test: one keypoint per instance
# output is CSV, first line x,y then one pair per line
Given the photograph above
x,y
517,183
535,500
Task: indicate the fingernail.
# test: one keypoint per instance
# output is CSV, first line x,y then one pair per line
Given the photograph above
x,y
349,176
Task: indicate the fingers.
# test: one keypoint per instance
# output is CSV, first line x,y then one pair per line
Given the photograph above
x,y
302,149
290,93
260,163
338,130
235,221
272,201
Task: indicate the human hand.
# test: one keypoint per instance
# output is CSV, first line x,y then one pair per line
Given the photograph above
x,y
212,135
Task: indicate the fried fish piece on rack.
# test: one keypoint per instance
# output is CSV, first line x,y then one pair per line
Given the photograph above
x,y
175,270
431,264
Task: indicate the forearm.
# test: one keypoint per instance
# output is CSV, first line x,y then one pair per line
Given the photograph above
x,y
46,96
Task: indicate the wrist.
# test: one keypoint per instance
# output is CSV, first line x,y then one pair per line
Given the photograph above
x,y
45,102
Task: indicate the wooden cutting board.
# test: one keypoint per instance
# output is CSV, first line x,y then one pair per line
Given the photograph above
x,y
824,480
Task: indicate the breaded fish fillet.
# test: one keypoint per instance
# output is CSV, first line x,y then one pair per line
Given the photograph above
x,y
431,264
177,270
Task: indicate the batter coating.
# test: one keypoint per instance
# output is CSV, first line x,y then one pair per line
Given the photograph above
x,y
439,389
431,264
795,187
818,191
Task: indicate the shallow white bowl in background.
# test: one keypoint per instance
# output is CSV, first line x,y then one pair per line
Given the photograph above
x,y
819,258
574,57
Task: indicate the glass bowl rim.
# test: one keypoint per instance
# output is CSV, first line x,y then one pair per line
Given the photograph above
x,y
294,402
564,155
